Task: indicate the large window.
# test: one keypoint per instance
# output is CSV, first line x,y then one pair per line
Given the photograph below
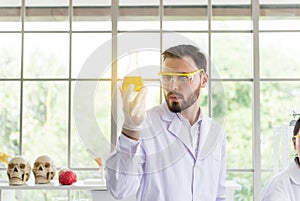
x,y
45,46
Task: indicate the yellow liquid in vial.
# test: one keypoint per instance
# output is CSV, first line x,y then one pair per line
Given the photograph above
x,y
135,80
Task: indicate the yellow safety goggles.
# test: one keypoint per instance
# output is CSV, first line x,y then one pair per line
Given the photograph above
x,y
181,74
184,78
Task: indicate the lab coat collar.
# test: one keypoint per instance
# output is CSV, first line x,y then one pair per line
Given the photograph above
x,y
174,127
170,116
175,122
294,172
209,128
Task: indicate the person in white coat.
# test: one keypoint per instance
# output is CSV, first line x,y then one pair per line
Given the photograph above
x,y
174,152
285,186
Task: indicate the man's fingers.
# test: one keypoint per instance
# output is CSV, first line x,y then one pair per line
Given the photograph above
x,y
141,95
127,94
139,103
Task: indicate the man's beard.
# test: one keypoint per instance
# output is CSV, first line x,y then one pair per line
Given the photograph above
x,y
179,107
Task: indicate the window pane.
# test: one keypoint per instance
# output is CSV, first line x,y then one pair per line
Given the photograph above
x,y
3,174
136,51
95,135
232,55
92,2
138,15
91,15
237,123
278,101
5,3
185,15
45,120
46,55
201,39
204,101
231,14
279,55
10,51
10,117
141,63
46,15
218,107
91,122
10,15
84,44
246,182
279,15
153,94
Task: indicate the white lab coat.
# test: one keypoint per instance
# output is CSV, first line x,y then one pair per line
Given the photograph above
x,y
285,186
162,165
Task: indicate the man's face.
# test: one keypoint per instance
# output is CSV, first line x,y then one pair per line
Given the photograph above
x,y
181,94
296,141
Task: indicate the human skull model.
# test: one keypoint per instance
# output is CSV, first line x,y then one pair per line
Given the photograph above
x,y
44,169
18,170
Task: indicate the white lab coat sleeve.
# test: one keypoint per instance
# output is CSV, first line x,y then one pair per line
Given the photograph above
x,y
124,168
222,178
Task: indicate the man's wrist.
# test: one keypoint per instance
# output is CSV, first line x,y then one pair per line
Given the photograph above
x,y
133,135
130,127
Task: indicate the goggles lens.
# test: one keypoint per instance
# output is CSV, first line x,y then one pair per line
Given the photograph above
x,y
167,77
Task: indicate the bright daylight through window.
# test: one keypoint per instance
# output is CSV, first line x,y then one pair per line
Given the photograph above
x,y
253,51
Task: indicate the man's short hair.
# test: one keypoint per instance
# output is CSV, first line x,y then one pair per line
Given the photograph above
x,y
297,126
180,51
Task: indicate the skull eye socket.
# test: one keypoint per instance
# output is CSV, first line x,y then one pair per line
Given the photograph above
x,y
10,166
36,164
47,165
22,166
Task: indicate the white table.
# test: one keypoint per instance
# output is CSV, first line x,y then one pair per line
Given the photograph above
x,y
231,187
97,189
7,192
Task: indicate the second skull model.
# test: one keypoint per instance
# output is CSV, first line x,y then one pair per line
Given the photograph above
x,y
43,169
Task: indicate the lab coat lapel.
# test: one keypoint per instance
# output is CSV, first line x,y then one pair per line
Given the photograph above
x,y
176,129
175,126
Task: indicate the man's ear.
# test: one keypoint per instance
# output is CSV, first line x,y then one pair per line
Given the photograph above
x,y
204,80
294,142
